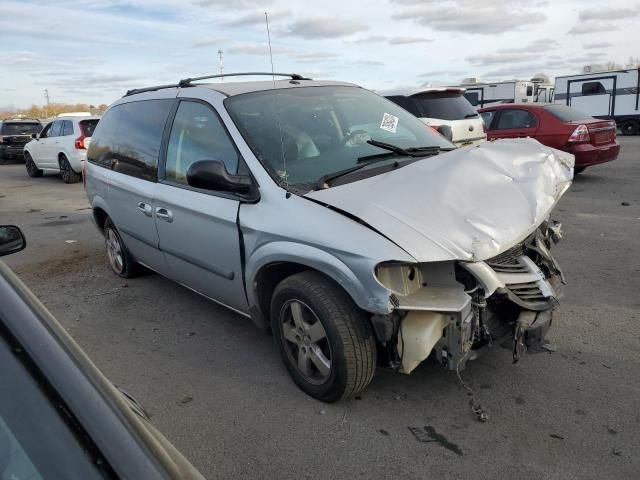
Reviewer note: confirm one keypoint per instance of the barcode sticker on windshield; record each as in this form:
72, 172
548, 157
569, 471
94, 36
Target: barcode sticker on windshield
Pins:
389, 123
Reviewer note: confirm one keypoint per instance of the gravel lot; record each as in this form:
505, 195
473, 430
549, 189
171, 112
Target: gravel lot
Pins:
216, 387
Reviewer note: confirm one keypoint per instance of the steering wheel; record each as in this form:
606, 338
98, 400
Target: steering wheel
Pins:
355, 138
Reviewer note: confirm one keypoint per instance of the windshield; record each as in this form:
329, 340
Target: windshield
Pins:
303, 134
444, 105
21, 128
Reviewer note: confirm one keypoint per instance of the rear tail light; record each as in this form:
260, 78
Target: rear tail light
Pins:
580, 134
614, 127
79, 143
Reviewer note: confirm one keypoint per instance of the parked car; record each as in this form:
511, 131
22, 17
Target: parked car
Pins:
15, 134
59, 415
61, 147
445, 107
590, 140
332, 217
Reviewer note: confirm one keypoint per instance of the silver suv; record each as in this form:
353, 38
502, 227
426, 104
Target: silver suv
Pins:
332, 218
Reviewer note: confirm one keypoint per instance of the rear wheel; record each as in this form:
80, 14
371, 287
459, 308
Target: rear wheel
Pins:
67, 173
630, 127
325, 340
32, 169
120, 260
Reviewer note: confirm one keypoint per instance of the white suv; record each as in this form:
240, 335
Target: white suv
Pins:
61, 147
446, 110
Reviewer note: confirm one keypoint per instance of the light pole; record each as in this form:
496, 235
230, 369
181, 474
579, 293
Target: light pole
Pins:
220, 55
46, 108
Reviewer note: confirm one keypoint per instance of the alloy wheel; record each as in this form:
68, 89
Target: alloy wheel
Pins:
64, 169
306, 342
114, 251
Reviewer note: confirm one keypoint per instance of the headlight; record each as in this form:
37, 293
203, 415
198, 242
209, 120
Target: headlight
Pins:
401, 278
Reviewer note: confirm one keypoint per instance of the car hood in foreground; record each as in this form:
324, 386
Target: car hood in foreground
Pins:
468, 204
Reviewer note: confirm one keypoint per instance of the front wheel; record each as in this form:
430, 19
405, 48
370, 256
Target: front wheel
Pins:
32, 170
67, 173
325, 340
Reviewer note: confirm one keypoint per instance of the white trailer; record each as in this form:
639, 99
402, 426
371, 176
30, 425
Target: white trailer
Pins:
611, 95
510, 91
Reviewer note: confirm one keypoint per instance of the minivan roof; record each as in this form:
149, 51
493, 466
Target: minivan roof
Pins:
237, 88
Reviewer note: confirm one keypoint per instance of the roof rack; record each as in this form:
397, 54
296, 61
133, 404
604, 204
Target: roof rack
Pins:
187, 82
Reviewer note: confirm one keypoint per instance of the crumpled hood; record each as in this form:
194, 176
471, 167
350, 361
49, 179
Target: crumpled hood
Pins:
467, 204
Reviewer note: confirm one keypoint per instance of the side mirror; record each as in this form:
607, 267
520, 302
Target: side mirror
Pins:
11, 240
34, 136
213, 175
446, 132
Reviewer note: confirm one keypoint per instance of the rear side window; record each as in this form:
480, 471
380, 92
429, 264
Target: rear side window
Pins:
128, 138
566, 114
197, 134
100, 149
593, 88
529, 91
67, 127
20, 128
88, 126
516, 119
405, 102
444, 105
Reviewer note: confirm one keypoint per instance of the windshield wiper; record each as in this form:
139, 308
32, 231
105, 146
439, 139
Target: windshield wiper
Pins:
414, 152
325, 179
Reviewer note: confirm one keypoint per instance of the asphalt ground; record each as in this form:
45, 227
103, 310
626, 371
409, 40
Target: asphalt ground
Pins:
217, 389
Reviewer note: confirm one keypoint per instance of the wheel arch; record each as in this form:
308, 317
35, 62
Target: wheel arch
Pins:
271, 264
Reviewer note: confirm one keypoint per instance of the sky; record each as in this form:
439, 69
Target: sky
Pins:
92, 51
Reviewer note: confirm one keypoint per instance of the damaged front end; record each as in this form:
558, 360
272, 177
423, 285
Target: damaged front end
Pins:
453, 309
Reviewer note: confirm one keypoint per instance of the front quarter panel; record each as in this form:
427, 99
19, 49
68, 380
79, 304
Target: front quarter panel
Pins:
279, 229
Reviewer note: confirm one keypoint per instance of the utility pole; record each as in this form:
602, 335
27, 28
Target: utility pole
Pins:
46, 108
220, 55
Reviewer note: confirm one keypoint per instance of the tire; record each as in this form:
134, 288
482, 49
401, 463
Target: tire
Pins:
301, 301
578, 170
630, 127
67, 173
32, 170
119, 258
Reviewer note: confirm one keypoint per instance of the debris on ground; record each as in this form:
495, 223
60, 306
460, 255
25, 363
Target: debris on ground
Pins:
383, 432
322, 412
625, 204
428, 434
71, 241
186, 399
556, 436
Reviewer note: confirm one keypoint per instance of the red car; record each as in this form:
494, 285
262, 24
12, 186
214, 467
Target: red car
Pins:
591, 140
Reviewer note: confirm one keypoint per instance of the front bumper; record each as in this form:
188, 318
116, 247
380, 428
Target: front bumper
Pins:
11, 151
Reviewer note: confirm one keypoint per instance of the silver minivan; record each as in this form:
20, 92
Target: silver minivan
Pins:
332, 218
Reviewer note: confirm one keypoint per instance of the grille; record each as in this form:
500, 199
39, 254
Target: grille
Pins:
529, 291
507, 262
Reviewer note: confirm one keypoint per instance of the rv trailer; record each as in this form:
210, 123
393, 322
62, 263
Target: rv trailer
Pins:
485, 94
613, 95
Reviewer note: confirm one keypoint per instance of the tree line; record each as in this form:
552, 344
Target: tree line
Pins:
52, 110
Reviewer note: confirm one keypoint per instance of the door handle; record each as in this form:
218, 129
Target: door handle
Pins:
164, 214
145, 208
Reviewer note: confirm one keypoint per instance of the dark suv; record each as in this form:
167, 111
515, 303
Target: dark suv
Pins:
15, 134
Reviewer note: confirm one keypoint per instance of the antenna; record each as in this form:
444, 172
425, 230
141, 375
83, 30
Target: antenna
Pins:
284, 175
266, 19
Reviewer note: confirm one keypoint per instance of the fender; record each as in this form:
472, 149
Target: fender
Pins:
371, 297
